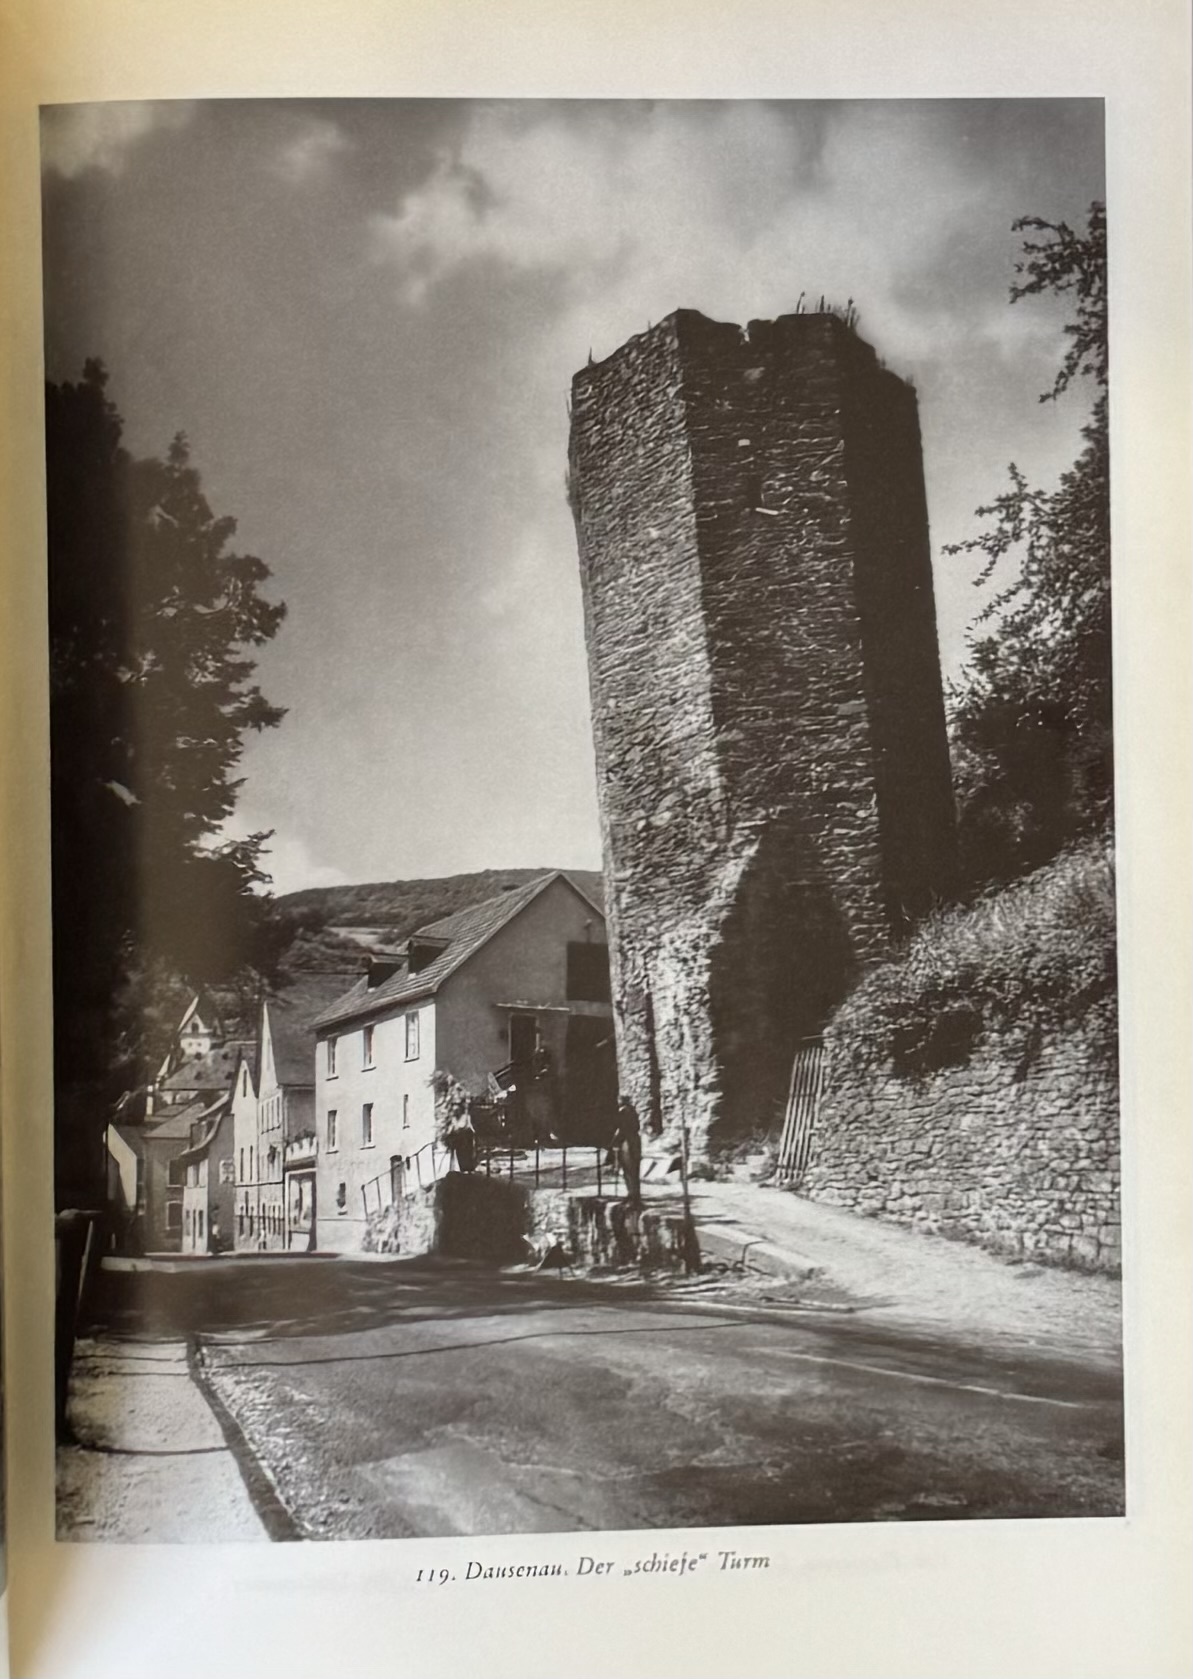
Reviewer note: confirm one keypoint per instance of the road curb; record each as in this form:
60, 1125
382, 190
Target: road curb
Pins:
737, 1248
272, 1513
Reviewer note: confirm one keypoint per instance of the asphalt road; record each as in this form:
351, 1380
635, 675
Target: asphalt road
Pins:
424, 1398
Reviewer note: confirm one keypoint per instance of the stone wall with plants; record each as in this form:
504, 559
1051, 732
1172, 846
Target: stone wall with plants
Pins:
972, 1085
470, 1216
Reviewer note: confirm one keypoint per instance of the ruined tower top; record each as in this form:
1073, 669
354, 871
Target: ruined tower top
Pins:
769, 726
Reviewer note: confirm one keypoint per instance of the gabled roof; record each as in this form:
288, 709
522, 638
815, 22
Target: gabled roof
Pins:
214, 1118
465, 932
175, 1125
292, 1013
201, 1005
250, 1055
131, 1109
213, 1071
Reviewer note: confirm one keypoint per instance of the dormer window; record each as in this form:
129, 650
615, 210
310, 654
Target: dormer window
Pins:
422, 950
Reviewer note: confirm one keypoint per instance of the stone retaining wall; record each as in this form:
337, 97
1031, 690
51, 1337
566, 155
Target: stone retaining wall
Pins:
1016, 1148
491, 1219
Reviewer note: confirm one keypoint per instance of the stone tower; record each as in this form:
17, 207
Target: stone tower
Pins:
773, 772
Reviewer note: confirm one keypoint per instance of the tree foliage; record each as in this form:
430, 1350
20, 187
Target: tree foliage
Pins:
1032, 726
153, 619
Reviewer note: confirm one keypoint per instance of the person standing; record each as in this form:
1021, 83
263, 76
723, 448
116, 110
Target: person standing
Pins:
627, 1141
461, 1141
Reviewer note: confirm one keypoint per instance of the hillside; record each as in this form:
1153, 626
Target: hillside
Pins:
337, 926
405, 905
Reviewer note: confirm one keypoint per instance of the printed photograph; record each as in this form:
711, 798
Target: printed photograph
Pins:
582, 816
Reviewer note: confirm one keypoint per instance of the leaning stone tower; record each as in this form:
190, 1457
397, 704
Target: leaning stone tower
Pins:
773, 773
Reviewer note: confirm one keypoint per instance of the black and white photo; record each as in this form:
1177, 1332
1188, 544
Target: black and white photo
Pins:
584, 911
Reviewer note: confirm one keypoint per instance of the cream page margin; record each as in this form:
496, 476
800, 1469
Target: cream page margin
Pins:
1042, 1598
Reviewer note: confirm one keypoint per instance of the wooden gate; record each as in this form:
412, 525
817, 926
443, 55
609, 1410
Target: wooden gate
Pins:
799, 1121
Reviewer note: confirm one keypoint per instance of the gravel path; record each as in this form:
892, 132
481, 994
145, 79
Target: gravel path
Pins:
151, 1463
909, 1277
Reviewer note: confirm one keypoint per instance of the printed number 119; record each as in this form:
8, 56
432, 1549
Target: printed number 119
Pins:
432, 1576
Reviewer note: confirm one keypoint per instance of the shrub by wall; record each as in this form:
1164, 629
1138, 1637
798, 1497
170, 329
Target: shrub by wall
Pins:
972, 1084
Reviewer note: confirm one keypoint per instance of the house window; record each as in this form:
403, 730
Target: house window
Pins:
241, 1166
366, 1125
367, 1044
176, 1176
588, 973
405, 1113
198, 1224
332, 1138
173, 1215
244, 1081
192, 1174
250, 1160
412, 1036
331, 1058
342, 1198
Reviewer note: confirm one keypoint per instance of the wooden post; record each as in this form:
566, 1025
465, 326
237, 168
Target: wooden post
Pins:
688, 1229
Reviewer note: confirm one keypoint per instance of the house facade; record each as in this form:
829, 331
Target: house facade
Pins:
244, 1139
154, 1126
208, 1188
274, 1119
511, 994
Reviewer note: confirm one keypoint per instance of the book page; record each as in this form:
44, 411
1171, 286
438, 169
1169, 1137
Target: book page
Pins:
3, 1468
595, 1231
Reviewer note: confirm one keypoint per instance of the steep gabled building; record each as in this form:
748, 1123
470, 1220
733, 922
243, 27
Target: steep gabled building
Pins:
513, 991
274, 1113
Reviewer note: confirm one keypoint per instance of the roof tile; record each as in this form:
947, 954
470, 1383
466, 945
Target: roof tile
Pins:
467, 930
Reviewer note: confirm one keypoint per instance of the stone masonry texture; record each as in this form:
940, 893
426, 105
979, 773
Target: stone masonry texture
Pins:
1015, 1148
495, 1221
773, 773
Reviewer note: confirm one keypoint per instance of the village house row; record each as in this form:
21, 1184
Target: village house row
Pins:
294, 1137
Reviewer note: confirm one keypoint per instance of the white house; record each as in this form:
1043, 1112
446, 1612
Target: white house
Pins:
274, 1116
514, 990
207, 1181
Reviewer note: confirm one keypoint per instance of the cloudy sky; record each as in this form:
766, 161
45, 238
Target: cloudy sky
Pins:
366, 315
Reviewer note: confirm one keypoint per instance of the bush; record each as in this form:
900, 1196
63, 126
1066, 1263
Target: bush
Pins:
1035, 956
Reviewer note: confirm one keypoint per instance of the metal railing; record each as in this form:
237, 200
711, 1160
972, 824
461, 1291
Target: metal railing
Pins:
563, 1166
415, 1170
803, 1105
